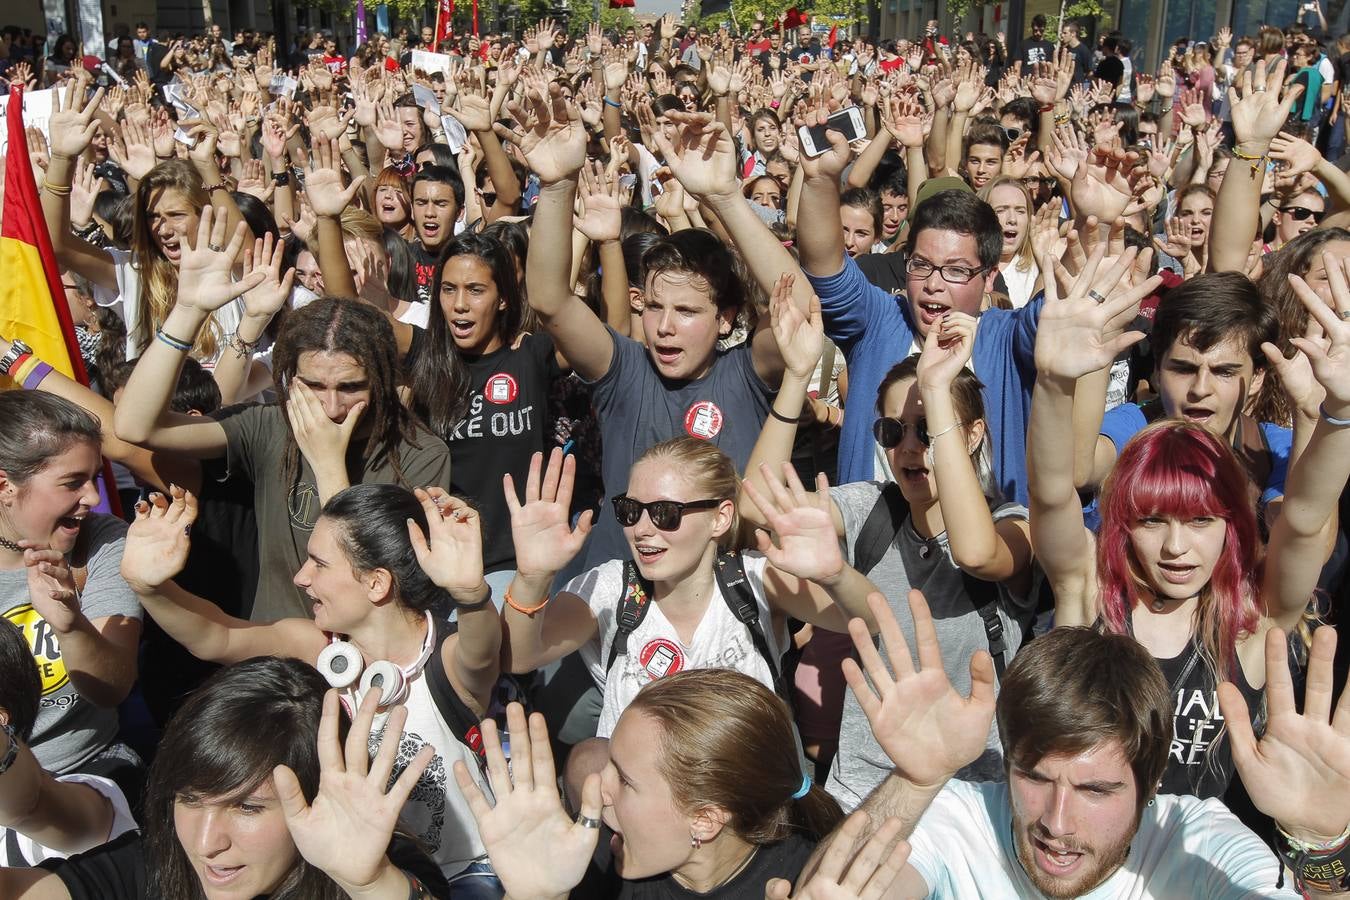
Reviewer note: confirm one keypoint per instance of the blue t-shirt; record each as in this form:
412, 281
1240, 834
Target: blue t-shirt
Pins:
872, 329
1127, 420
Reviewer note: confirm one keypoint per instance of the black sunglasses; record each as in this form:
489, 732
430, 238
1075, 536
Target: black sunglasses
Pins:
1299, 213
666, 515
889, 432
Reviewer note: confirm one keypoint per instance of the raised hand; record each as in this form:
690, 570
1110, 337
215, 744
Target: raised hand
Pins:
1298, 773
946, 350
804, 542
842, 875
830, 164
1298, 155
599, 193
1067, 152
451, 553
254, 182
473, 109
135, 152
204, 267
907, 120
1329, 354
1258, 111
541, 527
800, 334
72, 124
926, 728
323, 183
705, 159
157, 543
536, 850
1085, 329
554, 140
51, 586
266, 298
1103, 186
346, 831
84, 190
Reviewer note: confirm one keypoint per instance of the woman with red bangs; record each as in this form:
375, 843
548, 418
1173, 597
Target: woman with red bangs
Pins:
1178, 561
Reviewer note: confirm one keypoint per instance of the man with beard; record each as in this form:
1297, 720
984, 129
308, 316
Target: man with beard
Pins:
1086, 723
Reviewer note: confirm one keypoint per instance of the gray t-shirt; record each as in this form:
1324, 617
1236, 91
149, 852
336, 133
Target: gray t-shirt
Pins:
287, 510
637, 408
912, 562
70, 729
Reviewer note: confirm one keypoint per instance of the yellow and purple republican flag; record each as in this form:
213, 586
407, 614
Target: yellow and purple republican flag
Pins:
33, 305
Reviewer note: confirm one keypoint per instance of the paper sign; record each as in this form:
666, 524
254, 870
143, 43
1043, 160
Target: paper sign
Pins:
426, 97
283, 85
425, 61
37, 112
455, 136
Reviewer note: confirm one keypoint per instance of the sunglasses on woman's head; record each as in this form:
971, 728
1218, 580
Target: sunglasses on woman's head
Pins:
666, 515
890, 431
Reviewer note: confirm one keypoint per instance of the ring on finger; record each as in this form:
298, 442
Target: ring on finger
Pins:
1096, 295
587, 822
215, 248
1345, 314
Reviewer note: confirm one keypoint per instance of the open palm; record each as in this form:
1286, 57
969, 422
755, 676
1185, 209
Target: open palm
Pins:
1078, 333
804, 543
157, 542
704, 156
554, 140
541, 527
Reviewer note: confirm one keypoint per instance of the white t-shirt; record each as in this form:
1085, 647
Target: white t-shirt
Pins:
655, 649
20, 851
1185, 847
1021, 282
127, 302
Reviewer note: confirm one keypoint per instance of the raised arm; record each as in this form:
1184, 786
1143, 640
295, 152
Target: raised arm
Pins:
554, 145
71, 128
474, 112
328, 198
156, 550
822, 245
540, 629
602, 223
1301, 538
989, 550
1078, 334
1259, 112
204, 286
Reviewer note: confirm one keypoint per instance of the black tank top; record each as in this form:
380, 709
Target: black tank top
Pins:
1200, 761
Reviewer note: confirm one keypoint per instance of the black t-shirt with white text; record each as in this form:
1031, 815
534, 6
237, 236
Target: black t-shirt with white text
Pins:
426, 269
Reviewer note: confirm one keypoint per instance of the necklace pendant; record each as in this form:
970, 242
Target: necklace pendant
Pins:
1158, 604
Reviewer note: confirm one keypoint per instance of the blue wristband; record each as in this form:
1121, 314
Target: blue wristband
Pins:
1332, 420
614, 103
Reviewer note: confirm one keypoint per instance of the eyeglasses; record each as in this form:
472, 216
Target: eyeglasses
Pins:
922, 268
1299, 213
1012, 133
666, 515
890, 431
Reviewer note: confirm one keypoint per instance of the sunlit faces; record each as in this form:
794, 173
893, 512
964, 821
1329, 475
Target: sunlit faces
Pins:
983, 164
1073, 818
651, 834
1175, 556
931, 297
1010, 205
391, 206
239, 847
894, 211
172, 219
1210, 387
338, 381
410, 122
307, 272
668, 556
1196, 214
681, 324
766, 192
471, 304
767, 134
51, 506
909, 460
1316, 275
434, 213
1309, 205
860, 229
339, 595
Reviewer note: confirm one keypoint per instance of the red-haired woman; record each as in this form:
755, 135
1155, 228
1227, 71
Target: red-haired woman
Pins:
1178, 561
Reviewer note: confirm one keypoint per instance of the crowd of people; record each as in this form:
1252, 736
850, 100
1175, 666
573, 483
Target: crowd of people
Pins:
679, 462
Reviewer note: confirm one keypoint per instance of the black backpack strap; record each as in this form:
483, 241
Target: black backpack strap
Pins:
456, 713
740, 598
879, 530
637, 594
984, 594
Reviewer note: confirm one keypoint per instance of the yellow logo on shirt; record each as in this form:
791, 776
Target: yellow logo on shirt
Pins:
42, 641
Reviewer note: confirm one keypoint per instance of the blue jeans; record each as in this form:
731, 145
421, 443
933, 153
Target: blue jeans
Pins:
477, 882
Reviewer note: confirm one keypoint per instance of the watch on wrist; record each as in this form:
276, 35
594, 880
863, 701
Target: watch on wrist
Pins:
282, 178
17, 348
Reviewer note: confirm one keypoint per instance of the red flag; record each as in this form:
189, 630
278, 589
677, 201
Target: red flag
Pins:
794, 18
475, 18
834, 36
445, 23
33, 305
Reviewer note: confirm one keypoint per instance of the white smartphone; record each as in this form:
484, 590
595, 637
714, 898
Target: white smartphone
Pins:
847, 122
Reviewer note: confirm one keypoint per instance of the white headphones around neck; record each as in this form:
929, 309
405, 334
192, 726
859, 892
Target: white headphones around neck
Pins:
341, 664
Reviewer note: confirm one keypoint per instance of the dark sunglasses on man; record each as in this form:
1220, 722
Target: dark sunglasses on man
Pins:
1299, 213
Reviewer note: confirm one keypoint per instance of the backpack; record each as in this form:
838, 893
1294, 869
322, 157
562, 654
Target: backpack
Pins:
740, 599
879, 531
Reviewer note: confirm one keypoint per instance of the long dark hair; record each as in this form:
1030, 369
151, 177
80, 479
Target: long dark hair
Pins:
224, 742
439, 375
336, 325
372, 531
